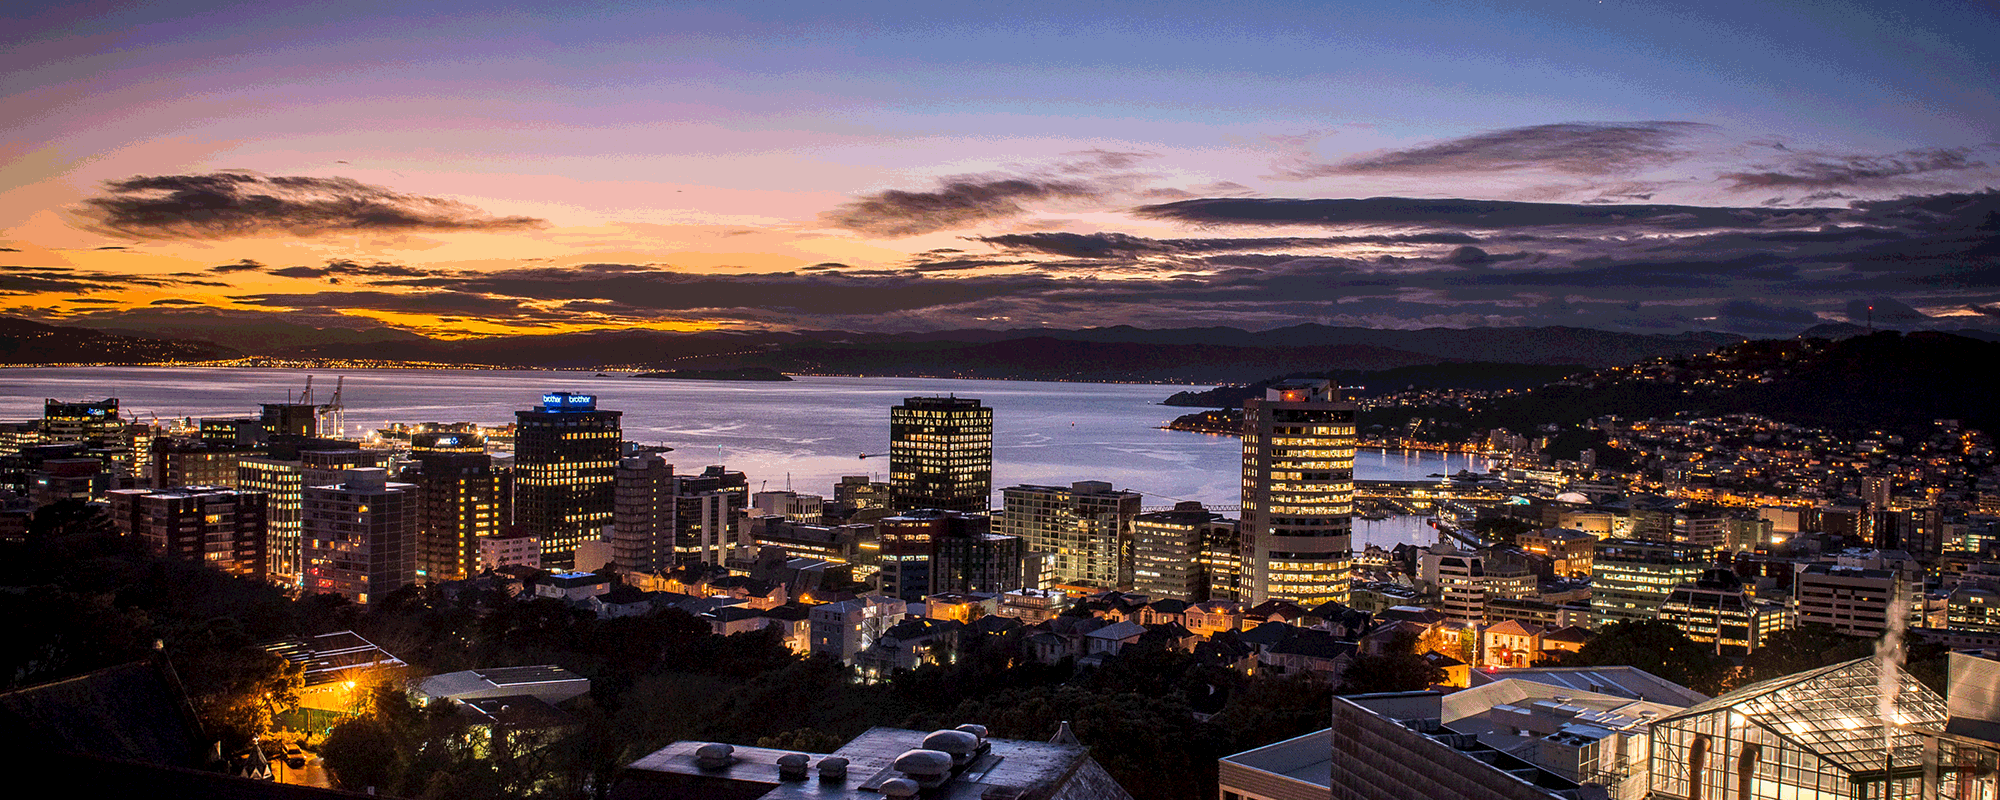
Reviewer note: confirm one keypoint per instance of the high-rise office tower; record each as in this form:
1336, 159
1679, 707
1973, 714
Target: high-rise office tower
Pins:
1298, 494
565, 468
92, 421
222, 528
458, 502
941, 455
1086, 528
642, 517
282, 476
296, 420
359, 536
1170, 553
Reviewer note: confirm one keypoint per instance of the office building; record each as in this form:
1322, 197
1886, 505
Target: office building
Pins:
788, 504
360, 536
1631, 578
1171, 552
459, 502
288, 421
510, 549
196, 462
642, 514
1568, 550
930, 551
1718, 609
220, 527
566, 454
1298, 494
1857, 601
83, 422
1086, 528
941, 455
708, 514
282, 476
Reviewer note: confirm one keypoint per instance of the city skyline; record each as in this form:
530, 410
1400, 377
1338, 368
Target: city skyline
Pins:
1749, 168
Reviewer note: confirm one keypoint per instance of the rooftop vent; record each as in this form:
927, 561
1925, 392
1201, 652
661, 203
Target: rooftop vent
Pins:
792, 767
961, 745
833, 768
928, 768
714, 756
899, 787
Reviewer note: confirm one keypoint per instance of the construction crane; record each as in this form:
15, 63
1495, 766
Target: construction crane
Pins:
334, 415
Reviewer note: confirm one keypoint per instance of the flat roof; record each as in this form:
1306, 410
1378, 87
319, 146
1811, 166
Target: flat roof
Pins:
1307, 759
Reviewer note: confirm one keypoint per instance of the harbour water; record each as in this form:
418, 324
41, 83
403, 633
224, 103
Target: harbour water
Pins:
803, 434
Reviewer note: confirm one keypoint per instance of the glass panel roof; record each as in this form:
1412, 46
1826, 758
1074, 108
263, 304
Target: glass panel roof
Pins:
1834, 713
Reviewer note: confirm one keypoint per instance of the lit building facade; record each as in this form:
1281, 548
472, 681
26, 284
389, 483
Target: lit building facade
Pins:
1168, 549
708, 514
1086, 528
1717, 609
941, 455
1631, 578
458, 503
1298, 494
360, 536
282, 476
566, 454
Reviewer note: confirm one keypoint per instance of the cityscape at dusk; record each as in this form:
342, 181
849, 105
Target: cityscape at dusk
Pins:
1583, 400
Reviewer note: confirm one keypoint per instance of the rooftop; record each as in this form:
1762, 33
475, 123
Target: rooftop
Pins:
1631, 682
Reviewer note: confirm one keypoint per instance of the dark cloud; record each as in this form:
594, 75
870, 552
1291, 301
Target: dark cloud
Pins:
343, 267
222, 205
64, 280
241, 265
91, 300
1819, 171
1756, 318
1120, 245
430, 302
1577, 148
956, 203
173, 301
1991, 311
1475, 214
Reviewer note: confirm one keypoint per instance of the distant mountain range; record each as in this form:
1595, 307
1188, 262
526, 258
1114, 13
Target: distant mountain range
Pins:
1211, 355
1192, 355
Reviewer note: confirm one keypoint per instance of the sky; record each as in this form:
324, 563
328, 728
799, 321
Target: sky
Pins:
460, 169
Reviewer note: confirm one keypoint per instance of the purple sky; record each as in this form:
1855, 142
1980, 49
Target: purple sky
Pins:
1742, 166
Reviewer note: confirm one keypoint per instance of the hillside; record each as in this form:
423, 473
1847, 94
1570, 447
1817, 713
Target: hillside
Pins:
1887, 381
26, 342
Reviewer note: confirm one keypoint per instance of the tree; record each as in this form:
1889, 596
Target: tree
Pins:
1398, 668
1802, 648
1658, 647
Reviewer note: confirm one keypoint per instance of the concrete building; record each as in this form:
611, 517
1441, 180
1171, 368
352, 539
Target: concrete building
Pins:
941, 455
846, 628
1171, 553
222, 528
1085, 527
566, 455
1630, 578
282, 475
1298, 494
708, 514
519, 548
643, 514
788, 504
1857, 601
359, 536
1299, 768
194, 462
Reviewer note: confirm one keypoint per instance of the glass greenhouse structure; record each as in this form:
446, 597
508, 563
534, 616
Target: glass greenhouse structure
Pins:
1816, 734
